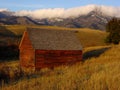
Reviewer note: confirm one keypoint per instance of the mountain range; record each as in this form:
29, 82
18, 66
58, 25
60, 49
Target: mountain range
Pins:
94, 20
7, 18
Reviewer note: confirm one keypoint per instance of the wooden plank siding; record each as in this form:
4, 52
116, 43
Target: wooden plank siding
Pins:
52, 58
27, 55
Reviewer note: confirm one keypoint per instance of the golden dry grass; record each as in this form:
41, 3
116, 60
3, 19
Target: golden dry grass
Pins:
89, 37
96, 73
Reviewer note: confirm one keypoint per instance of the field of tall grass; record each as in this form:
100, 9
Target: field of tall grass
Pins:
99, 69
97, 72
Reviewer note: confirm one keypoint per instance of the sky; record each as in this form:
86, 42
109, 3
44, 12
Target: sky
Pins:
39, 9
16, 5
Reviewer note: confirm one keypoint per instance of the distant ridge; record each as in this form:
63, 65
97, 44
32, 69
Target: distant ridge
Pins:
92, 20
7, 18
90, 16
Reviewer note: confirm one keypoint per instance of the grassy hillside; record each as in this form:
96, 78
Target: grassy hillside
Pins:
88, 37
100, 72
95, 72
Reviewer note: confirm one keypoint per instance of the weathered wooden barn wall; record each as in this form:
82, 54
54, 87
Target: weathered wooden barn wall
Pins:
52, 58
26, 52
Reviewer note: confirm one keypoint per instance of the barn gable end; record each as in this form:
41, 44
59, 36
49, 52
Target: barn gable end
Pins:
49, 48
27, 54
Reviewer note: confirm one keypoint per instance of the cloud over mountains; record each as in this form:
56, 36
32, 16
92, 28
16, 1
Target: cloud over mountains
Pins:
70, 12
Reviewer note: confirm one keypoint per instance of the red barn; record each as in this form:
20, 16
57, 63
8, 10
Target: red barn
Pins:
49, 48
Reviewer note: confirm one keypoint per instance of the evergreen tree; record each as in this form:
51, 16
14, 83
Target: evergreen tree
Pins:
113, 27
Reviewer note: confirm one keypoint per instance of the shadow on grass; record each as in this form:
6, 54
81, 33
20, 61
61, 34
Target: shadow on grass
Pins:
8, 53
94, 53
